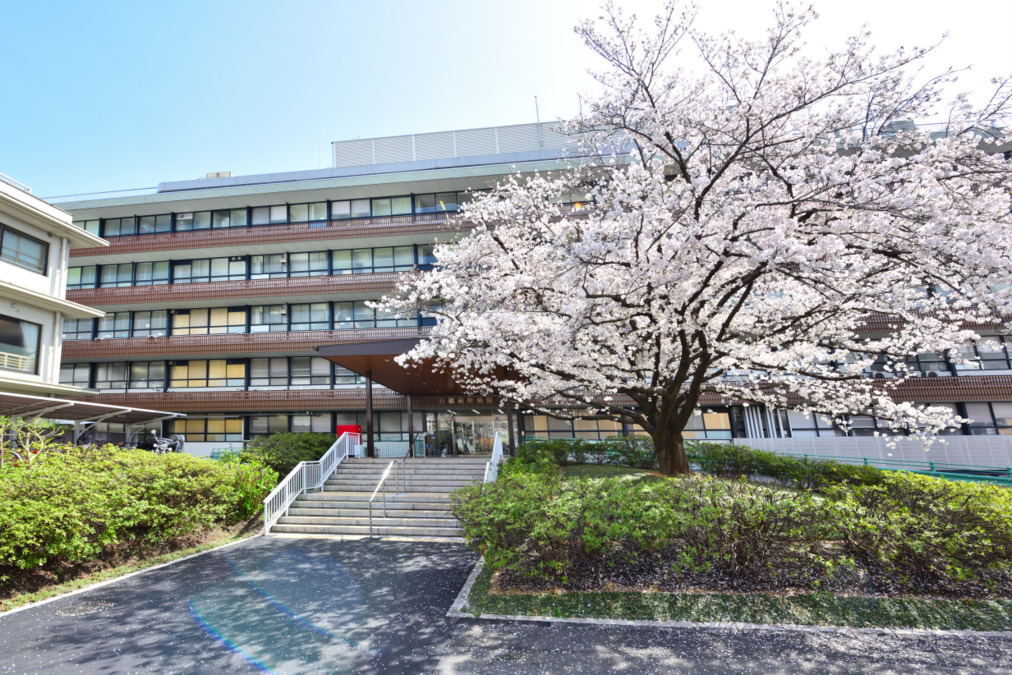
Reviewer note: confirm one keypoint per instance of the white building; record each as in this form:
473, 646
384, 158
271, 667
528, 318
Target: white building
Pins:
35, 242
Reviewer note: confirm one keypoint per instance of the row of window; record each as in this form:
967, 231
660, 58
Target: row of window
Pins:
240, 268
988, 353
348, 315
19, 344
313, 212
259, 373
724, 423
23, 250
716, 423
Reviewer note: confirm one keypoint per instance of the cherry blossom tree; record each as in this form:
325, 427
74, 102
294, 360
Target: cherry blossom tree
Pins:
752, 208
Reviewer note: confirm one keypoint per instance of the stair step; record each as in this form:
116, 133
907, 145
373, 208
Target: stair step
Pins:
412, 514
377, 520
363, 496
364, 530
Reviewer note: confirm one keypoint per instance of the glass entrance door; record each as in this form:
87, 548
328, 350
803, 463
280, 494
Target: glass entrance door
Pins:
462, 435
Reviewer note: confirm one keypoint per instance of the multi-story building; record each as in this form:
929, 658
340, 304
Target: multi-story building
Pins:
218, 294
35, 243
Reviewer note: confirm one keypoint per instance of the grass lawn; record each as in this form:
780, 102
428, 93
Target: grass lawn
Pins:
806, 609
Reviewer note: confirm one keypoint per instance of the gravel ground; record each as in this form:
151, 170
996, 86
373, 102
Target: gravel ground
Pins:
316, 605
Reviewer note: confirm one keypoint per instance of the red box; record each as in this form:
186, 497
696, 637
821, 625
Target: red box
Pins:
349, 429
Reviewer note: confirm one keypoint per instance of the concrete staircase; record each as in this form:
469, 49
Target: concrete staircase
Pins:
417, 503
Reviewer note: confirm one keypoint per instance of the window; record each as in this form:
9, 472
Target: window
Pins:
147, 375
154, 224
198, 220
302, 213
77, 329
311, 264
318, 422
214, 269
117, 275
152, 273
812, 426
310, 370
385, 259
213, 321
185, 272
710, 424
995, 353
213, 373
269, 215
354, 208
75, 374
151, 324
111, 375
426, 258
391, 206
92, 226
228, 269
269, 266
229, 218
81, 277
315, 316
271, 372
114, 325
981, 420
269, 318
442, 202
24, 251
344, 377
260, 425
117, 227
352, 315
208, 429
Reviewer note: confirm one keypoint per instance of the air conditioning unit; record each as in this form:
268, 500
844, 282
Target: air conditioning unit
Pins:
878, 376
934, 373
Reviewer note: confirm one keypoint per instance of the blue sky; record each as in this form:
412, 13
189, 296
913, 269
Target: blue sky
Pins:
107, 96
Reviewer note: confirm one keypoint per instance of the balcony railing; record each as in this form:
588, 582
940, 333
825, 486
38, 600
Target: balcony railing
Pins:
17, 362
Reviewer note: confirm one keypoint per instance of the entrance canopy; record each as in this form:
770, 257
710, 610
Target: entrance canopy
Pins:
376, 360
23, 405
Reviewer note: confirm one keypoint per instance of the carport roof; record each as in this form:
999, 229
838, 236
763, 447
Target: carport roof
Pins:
23, 405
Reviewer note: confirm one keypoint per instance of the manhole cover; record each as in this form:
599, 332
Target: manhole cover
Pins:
82, 608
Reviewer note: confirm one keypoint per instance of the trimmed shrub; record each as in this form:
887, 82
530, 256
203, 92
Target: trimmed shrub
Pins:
736, 461
906, 532
78, 502
632, 451
283, 451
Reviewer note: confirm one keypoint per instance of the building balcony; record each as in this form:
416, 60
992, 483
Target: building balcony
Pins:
229, 344
269, 238
248, 291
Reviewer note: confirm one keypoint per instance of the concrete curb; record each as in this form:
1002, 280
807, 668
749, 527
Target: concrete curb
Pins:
461, 601
109, 582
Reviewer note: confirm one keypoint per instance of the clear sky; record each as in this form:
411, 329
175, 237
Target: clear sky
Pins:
114, 95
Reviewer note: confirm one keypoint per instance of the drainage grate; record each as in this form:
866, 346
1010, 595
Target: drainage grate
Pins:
83, 608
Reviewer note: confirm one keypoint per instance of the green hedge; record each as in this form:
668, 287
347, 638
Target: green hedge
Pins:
75, 503
734, 461
913, 531
536, 454
283, 451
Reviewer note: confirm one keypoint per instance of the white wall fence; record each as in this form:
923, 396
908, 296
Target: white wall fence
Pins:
973, 450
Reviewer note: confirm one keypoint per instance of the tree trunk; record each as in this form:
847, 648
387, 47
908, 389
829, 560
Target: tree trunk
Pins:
670, 451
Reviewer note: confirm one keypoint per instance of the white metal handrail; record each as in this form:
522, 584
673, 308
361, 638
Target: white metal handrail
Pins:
306, 476
492, 467
378, 486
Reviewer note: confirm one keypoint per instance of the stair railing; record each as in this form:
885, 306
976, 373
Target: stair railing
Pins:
378, 486
306, 476
492, 467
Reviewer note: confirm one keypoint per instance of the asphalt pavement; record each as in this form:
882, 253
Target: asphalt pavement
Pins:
374, 606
